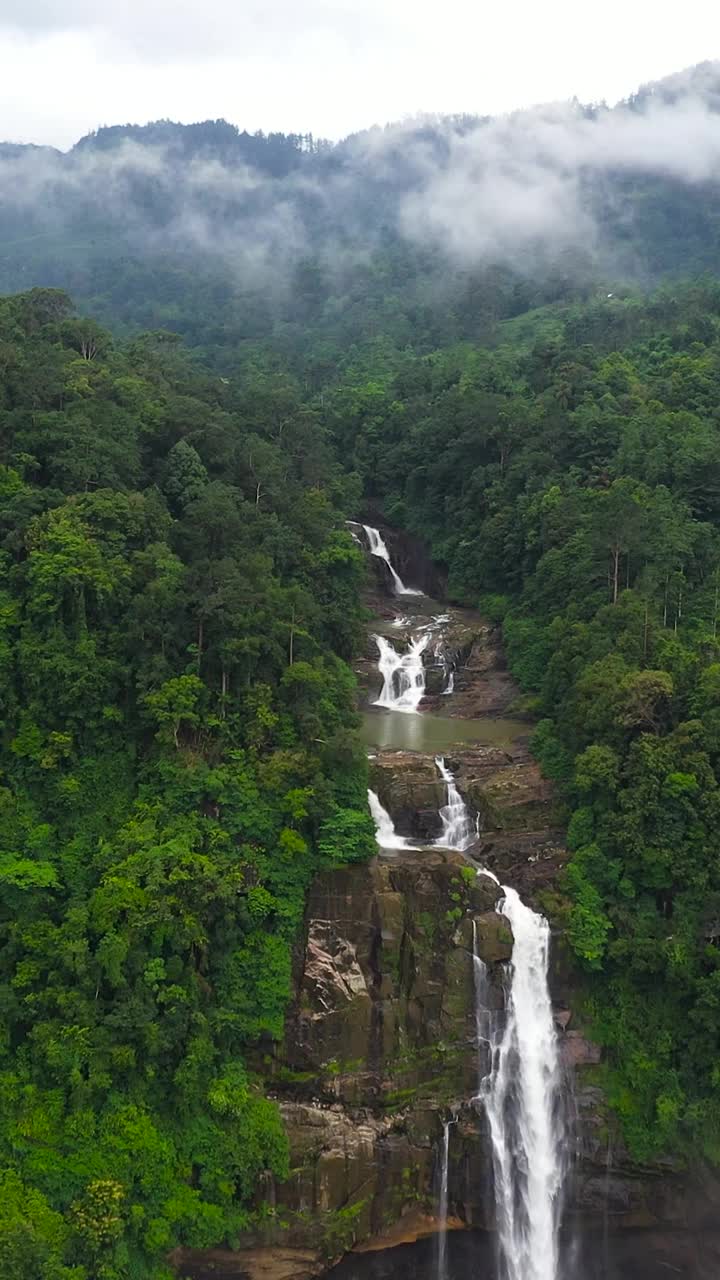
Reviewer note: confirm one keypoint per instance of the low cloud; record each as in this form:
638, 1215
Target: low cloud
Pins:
528, 177
480, 191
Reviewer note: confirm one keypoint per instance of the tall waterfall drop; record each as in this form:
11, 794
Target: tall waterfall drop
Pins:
403, 674
520, 1096
377, 547
458, 829
385, 832
443, 1201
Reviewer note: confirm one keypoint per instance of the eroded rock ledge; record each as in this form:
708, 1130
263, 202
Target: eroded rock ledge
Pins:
380, 1041
379, 1049
519, 838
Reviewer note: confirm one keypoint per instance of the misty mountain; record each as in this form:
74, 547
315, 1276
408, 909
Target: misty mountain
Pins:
481, 217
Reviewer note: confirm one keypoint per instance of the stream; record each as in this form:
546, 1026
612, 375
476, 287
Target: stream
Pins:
519, 1077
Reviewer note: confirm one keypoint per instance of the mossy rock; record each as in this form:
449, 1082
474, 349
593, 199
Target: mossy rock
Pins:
494, 938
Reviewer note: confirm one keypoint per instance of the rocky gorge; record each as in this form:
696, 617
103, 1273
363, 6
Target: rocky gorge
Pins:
381, 1048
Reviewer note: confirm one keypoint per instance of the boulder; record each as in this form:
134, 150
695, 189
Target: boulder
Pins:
411, 790
578, 1051
513, 797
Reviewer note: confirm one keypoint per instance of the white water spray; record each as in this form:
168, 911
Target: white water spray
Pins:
403, 675
458, 829
443, 1202
520, 1096
377, 547
385, 832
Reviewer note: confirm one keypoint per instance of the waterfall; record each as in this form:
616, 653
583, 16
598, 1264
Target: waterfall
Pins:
443, 1202
403, 675
458, 829
385, 832
483, 1016
440, 656
377, 547
520, 1097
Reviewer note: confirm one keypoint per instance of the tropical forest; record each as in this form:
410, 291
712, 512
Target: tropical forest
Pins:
360, 700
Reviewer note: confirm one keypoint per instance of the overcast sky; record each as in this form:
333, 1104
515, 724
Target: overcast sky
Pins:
327, 66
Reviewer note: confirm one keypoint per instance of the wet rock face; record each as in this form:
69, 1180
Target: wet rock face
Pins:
511, 796
380, 1042
504, 787
262, 1263
412, 791
517, 815
578, 1051
464, 644
385, 984
411, 560
380, 1047
632, 1255
484, 684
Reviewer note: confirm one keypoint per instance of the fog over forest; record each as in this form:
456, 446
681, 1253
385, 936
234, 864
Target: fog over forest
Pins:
318, 459
517, 190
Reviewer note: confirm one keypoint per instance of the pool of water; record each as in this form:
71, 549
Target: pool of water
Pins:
424, 615
398, 731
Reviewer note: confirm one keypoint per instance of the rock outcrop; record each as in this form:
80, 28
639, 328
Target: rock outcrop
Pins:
519, 838
380, 1044
465, 645
379, 1048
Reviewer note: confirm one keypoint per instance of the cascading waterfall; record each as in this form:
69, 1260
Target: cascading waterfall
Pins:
403, 674
377, 547
443, 1201
458, 829
520, 1096
517, 1052
385, 832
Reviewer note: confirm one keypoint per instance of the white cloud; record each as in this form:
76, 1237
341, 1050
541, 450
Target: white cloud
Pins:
327, 66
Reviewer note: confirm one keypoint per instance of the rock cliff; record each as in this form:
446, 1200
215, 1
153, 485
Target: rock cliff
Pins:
380, 1048
380, 1044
